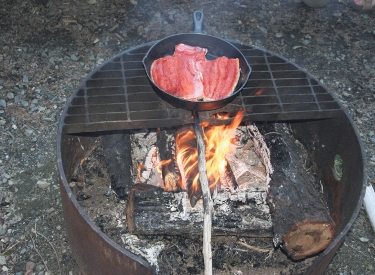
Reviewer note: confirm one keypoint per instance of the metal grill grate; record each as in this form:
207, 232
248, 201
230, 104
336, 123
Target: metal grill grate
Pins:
117, 95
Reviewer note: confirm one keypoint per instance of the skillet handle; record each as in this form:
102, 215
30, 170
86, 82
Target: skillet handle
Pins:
198, 21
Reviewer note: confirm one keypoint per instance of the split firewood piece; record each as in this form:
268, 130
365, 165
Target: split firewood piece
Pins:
166, 144
301, 220
146, 158
117, 153
150, 210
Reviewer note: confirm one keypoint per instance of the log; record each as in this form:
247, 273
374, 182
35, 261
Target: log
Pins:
117, 153
166, 144
153, 211
301, 220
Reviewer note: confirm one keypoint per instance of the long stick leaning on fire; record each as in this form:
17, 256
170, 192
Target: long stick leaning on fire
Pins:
206, 195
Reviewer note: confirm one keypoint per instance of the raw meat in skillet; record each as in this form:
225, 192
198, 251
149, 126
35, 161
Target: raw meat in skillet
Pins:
220, 77
187, 74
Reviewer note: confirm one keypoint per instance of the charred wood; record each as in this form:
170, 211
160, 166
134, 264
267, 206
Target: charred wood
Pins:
117, 152
150, 211
166, 144
301, 220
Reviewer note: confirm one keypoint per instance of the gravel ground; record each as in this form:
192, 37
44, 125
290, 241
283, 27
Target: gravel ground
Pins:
47, 47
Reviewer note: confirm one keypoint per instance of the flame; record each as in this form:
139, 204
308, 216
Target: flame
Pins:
218, 141
161, 164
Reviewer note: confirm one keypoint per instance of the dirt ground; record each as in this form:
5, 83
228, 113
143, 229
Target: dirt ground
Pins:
47, 47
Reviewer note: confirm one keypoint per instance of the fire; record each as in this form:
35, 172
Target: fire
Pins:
218, 141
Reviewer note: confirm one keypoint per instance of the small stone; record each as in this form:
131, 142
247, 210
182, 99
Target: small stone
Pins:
305, 42
134, 2
3, 103
24, 103
91, 2
73, 57
3, 260
364, 240
29, 132
25, 79
279, 35
30, 266
23, 251
39, 268
2, 122
10, 95
43, 184
263, 30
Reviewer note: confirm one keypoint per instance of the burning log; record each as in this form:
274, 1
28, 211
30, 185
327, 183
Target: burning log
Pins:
239, 211
166, 144
150, 211
117, 153
301, 220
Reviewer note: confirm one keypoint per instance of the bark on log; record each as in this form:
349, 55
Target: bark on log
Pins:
153, 211
117, 153
301, 220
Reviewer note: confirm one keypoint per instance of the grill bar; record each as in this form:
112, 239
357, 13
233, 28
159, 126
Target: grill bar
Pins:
117, 95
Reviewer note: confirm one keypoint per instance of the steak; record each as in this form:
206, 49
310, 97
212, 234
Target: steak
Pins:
188, 75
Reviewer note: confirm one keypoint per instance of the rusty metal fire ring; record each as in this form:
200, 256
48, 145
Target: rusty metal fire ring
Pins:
117, 96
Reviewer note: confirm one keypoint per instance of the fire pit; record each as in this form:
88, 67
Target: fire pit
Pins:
117, 96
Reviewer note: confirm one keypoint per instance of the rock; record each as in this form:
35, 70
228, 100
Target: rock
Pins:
25, 79
10, 95
2, 260
364, 240
73, 57
3, 103
39, 268
30, 266
43, 184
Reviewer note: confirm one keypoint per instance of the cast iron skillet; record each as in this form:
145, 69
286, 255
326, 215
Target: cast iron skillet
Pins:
216, 47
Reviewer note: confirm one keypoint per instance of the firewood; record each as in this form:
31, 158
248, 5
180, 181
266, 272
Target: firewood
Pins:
166, 144
150, 210
301, 220
117, 153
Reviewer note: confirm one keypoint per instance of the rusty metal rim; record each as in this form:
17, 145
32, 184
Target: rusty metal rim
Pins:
65, 186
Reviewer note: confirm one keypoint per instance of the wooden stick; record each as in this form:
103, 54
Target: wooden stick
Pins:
262, 250
207, 202
369, 202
